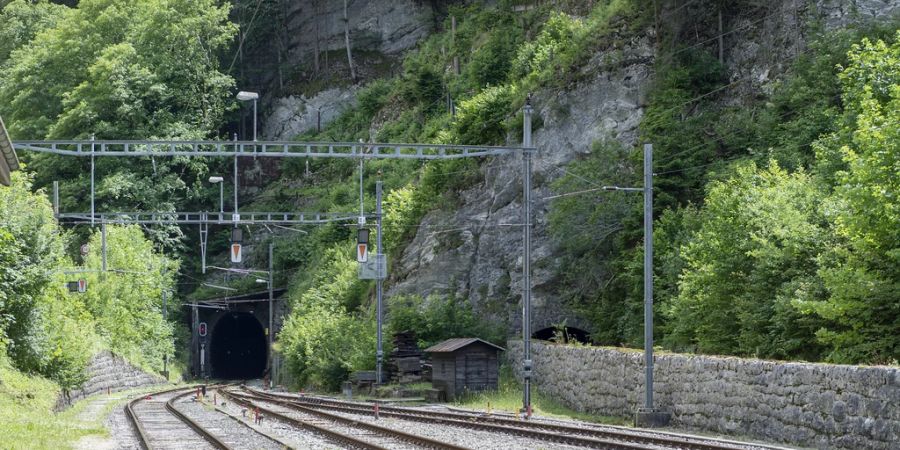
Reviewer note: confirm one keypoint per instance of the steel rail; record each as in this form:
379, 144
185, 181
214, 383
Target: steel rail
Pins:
545, 431
278, 149
329, 434
206, 434
423, 441
143, 438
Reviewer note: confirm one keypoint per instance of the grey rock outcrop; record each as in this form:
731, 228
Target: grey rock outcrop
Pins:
291, 116
812, 405
475, 250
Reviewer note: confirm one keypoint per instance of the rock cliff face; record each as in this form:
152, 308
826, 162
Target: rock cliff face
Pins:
475, 250
376, 26
484, 263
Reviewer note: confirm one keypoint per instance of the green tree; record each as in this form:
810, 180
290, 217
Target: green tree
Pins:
118, 69
126, 301
862, 276
754, 253
20, 20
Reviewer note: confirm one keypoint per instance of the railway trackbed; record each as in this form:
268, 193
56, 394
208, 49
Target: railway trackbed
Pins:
590, 436
349, 432
165, 420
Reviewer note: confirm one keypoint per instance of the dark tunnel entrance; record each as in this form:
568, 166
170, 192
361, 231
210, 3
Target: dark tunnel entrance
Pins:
562, 335
238, 347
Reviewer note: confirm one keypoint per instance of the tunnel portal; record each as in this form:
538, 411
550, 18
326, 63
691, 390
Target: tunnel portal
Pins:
238, 347
564, 334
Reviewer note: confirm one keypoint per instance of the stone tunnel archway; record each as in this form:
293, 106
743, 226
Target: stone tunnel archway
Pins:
566, 333
237, 347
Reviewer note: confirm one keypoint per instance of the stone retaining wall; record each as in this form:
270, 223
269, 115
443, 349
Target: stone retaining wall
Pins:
813, 405
108, 371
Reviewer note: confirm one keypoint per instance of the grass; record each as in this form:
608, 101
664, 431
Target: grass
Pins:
27, 420
26, 413
508, 398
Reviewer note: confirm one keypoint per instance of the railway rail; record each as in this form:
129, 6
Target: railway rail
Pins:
160, 424
586, 436
373, 436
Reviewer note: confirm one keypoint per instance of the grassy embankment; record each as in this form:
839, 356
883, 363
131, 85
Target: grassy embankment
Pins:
27, 420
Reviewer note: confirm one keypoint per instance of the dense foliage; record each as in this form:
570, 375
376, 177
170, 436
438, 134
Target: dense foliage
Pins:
115, 69
47, 330
793, 256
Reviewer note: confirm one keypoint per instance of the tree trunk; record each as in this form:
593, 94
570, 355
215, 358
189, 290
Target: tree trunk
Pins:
316, 45
721, 38
347, 41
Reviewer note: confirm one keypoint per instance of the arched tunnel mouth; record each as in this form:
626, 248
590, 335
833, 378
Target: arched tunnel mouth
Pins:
238, 348
562, 335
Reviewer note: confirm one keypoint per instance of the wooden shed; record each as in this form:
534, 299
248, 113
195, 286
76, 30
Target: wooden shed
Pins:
463, 365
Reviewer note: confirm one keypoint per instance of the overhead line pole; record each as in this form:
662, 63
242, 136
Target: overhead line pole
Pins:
526, 259
648, 276
379, 287
271, 315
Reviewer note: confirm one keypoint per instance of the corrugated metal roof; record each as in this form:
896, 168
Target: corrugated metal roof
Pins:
452, 345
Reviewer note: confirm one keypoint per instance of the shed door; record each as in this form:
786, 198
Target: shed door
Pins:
476, 371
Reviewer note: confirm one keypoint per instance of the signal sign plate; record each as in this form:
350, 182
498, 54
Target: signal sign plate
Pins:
85, 249
236, 253
362, 252
82, 285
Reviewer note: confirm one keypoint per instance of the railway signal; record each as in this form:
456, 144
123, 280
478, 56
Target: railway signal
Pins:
362, 245
201, 330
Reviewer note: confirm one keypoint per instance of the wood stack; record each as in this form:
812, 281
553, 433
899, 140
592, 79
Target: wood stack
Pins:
405, 361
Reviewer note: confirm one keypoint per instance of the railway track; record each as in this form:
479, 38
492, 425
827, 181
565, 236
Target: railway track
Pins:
587, 436
334, 427
160, 424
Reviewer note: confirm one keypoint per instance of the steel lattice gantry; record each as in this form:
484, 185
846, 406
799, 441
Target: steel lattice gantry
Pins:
88, 148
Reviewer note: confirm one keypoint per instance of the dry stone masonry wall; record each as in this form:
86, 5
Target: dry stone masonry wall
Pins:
108, 371
803, 404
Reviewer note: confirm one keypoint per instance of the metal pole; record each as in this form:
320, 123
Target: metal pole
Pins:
648, 274
379, 284
254, 120
234, 217
361, 208
221, 201
271, 312
166, 319
103, 245
195, 340
92, 180
56, 198
526, 259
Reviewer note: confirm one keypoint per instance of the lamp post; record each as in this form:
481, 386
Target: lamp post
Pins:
246, 97
647, 416
219, 181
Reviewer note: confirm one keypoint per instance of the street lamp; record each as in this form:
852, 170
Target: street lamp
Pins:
246, 97
647, 416
219, 181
